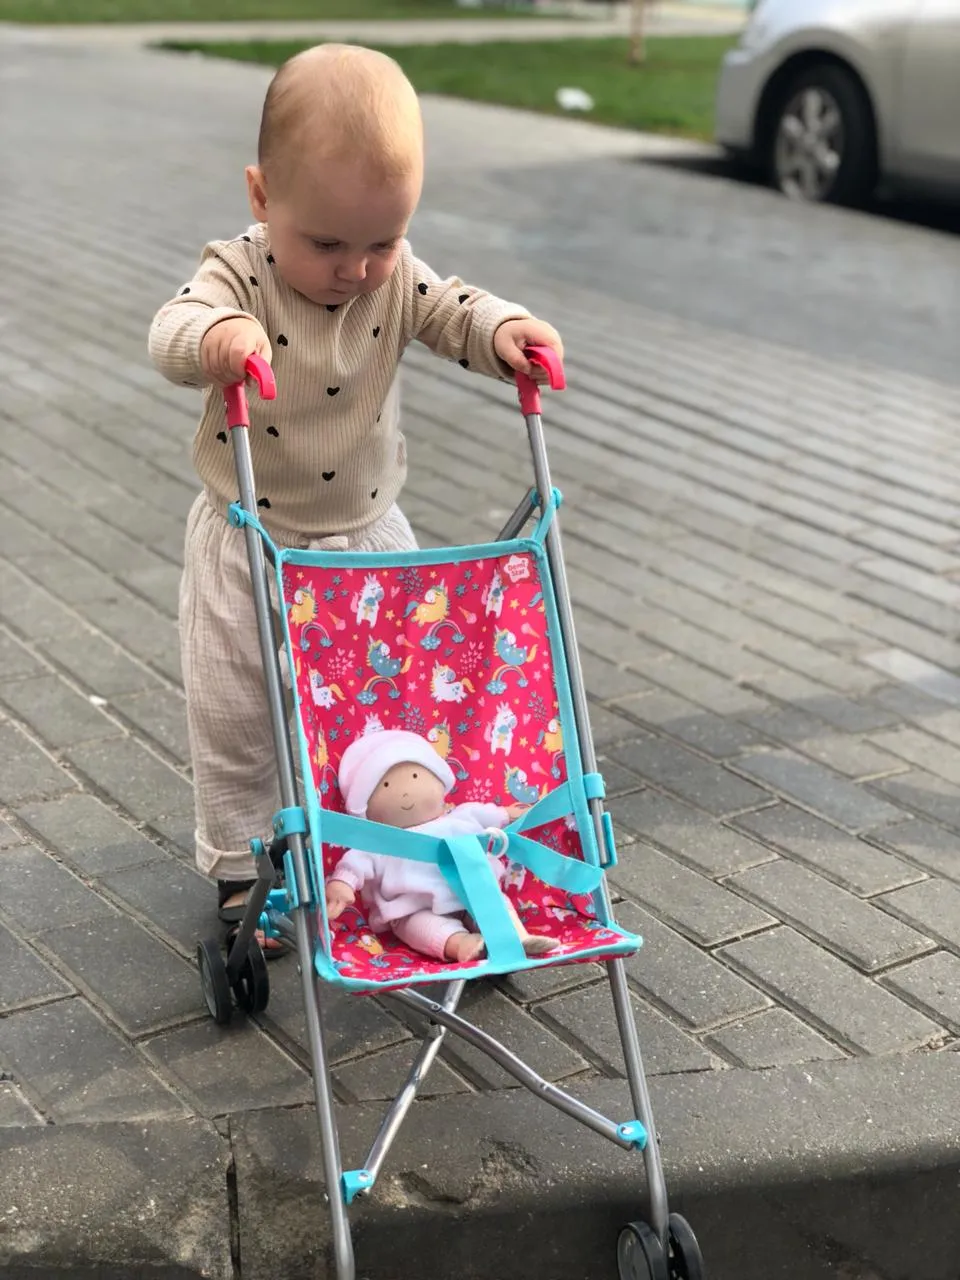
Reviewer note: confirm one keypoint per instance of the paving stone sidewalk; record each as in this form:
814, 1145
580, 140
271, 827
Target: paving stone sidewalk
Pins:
765, 570
664, 20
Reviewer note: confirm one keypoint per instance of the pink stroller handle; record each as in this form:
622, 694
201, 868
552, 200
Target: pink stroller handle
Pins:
529, 390
235, 396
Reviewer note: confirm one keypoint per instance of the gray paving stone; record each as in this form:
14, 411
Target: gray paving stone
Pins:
848, 1007
177, 900
79, 1070
26, 979
586, 1016
97, 664
161, 714
88, 835
605, 680
16, 660
921, 793
849, 861
851, 928
524, 1035
180, 830
530, 985
921, 749
933, 985
125, 970
926, 845
693, 904
707, 785
224, 1070
681, 978
40, 894
916, 672
352, 1025
15, 1110
849, 755
607, 727
688, 834
843, 802
617, 779
28, 772
381, 1076
140, 781
771, 1038
58, 715
716, 736
932, 906
9, 838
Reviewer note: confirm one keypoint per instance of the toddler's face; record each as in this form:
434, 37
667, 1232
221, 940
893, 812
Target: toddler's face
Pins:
335, 233
406, 796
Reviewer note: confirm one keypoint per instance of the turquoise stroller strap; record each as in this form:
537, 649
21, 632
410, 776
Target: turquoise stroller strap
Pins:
463, 862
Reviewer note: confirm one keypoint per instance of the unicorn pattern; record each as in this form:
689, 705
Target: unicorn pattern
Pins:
492, 595
366, 602
500, 733
445, 687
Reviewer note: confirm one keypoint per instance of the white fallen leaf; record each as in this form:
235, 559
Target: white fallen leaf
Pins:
97, 701
573, 99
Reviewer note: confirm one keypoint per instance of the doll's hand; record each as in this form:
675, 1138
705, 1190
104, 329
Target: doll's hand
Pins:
339, 896
513, 335
515, 811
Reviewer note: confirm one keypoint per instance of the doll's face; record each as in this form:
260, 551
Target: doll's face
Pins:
406, 796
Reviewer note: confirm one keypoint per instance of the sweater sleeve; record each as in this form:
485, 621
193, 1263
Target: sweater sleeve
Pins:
485, 815
455, 320
355, 868
223, 288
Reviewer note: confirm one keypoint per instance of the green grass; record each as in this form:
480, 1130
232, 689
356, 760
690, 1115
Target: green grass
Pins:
48, 11
672, 92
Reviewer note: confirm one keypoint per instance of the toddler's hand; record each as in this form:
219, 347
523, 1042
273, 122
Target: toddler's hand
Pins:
515, 811
225, 348
513, 335
339, 896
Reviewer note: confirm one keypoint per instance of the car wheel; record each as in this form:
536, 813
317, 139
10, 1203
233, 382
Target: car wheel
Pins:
823, 143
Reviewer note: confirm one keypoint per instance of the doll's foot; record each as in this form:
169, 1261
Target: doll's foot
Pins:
535, 944
464, 947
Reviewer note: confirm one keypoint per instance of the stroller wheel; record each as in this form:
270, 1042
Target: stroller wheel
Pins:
213, 980
685, 1261
640, 1254
252, 985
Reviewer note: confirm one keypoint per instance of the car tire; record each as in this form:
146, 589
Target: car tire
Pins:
822, 143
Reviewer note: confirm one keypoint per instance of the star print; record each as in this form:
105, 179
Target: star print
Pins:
524, 612
433, 573
436, 713
390, 615
300, 576
523, 742
514, 604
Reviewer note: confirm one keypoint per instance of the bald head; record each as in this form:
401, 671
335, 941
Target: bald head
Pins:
344, 103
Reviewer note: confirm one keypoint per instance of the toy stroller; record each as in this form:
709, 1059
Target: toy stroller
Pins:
473, 647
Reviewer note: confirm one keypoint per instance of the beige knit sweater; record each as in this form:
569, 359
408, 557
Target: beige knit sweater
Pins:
328, 453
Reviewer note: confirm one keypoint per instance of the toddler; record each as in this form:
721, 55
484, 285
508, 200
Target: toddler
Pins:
324, 286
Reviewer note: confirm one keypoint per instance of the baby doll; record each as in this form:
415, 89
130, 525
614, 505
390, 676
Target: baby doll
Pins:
395, 777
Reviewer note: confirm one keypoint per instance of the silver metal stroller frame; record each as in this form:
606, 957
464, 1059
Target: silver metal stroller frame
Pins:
661, 1248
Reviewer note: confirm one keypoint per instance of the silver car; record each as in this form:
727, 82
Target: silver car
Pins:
832, 96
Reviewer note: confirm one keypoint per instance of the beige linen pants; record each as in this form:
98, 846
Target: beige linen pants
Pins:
228, 719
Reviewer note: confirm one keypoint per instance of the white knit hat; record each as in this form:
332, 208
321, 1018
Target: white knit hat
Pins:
369, 757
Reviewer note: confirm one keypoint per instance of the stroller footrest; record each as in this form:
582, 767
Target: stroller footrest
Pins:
353, 1182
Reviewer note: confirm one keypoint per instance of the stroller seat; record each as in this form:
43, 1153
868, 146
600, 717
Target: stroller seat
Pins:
454, 644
